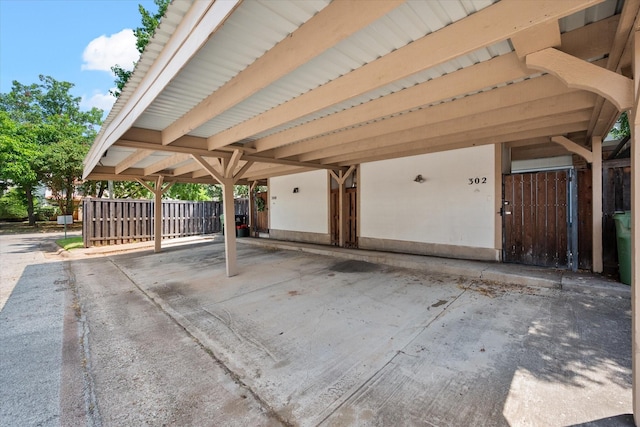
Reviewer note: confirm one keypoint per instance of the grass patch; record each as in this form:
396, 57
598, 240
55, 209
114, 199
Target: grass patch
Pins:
70, 243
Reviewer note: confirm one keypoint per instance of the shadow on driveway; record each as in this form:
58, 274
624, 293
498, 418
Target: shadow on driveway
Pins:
323, 341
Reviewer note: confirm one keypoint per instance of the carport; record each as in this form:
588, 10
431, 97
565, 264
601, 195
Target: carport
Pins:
235, 92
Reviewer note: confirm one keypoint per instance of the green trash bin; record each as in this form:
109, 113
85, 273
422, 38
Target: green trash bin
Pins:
623, 236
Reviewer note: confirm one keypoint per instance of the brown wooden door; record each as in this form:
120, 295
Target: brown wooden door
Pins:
351, 218
536, 218
351, 229
262, 216
335, 217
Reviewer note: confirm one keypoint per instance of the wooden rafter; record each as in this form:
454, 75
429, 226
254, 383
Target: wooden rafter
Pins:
537, 38
476, 124
165, 163
332, 24
508, 18
499, 70
132, 160
519, 131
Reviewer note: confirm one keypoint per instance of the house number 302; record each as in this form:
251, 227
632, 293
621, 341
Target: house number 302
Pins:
477, 180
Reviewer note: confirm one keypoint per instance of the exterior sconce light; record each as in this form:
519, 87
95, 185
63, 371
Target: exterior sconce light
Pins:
296, 190
419, 179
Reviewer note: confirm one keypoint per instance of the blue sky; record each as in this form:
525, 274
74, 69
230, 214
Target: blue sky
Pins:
70, 40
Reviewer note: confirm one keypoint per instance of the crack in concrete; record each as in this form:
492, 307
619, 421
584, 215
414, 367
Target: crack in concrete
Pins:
388, 362
272, 413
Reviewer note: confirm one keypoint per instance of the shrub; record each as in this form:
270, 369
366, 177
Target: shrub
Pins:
12, 206
46, 212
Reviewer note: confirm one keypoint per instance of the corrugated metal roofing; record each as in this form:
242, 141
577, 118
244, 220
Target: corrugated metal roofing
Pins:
405, 24
260, 25
256, 26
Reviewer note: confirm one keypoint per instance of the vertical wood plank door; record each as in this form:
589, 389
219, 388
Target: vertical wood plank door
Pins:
335, 216
535, 218
351, 230
351, 217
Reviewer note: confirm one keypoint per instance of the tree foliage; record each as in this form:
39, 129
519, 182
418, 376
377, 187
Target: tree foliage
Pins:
44, 136
150, 22
622, 129
194, 192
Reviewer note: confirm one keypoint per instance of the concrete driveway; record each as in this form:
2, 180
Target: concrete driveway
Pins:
302, 339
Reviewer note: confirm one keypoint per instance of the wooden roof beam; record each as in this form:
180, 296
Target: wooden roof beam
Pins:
190, 167
549, 126
507, 18
334, 23
475, 120
505, 68
279, 171
131, 160
148, 139
537, 38
603, 118
165, 163
579, 74
574, 148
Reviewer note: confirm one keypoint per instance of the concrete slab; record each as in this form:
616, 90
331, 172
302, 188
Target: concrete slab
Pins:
144, 369
322, 340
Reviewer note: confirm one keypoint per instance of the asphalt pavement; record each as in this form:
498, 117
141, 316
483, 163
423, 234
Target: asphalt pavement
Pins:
34, 299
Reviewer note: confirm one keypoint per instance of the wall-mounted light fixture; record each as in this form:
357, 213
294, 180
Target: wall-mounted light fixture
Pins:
419, 179
296, 190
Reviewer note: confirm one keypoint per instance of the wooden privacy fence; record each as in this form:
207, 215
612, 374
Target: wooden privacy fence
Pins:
113, 222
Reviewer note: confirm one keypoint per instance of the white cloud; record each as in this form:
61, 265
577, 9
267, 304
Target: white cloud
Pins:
106, 51
103, 101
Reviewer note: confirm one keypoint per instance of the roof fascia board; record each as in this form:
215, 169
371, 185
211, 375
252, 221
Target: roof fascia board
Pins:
202, 19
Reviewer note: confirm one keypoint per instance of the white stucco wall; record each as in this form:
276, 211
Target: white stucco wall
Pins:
445, 209
305, 211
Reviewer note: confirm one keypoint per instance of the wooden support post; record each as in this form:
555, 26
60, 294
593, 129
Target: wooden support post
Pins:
341, 178
157, 191
157, 219
252, 210
596, 188
227, 180
342, 222
634, 122
229, 227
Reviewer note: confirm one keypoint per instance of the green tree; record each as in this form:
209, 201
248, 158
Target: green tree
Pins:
144, 33
130, 190
623, 128
150, 22
194, 192
20, 160
45, 138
